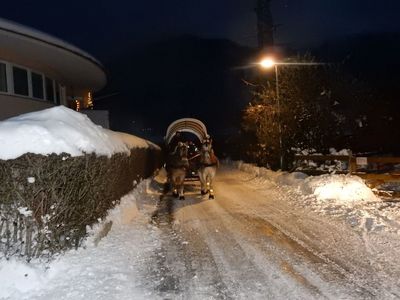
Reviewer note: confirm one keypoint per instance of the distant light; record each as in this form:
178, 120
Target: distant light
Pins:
89, 100
267, 63
78, 105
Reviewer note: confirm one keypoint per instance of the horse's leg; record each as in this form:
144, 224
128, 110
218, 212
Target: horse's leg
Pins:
175, 191
210, 181
174, 185
202, 181
204, 189
209, 187
168, 183
181, 187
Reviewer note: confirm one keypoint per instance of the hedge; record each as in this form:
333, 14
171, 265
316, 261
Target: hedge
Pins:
46, 202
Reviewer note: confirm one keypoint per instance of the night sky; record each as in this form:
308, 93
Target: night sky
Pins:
160, 70
104, 27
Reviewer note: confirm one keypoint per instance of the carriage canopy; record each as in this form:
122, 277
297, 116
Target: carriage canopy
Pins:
186, 125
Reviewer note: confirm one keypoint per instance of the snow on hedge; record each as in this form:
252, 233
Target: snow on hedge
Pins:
60, 129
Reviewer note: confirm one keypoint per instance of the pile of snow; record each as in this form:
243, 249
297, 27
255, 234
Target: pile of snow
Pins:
338, 188
60, 129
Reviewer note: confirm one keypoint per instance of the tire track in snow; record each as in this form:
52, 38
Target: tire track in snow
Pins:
182, 270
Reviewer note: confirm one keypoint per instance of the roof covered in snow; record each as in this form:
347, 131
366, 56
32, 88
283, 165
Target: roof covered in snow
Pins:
62, 130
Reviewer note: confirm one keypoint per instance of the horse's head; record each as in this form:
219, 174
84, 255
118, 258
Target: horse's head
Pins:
206, 145
206, 150
182, 150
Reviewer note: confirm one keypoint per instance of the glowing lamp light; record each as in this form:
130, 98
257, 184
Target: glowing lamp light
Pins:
267, 63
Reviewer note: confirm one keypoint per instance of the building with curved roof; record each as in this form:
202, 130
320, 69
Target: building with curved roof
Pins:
38, 71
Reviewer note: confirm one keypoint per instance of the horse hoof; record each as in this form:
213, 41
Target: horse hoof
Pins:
203, 192
211, 197
181, 197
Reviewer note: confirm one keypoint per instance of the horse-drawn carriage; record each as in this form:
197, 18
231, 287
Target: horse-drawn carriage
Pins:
189, 155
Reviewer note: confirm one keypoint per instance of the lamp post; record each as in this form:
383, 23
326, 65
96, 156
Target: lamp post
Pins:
268, 63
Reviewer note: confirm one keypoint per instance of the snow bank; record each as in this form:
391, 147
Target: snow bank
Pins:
338, 188
60, 129
277, 177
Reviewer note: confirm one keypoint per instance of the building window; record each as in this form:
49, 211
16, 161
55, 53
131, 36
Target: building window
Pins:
49, 90
3, 78
21, 81
21, 86
37, 85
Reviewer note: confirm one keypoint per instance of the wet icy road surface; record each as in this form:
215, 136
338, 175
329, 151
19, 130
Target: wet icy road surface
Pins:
249, 243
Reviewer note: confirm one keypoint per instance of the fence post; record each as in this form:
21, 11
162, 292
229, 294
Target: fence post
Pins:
352, 163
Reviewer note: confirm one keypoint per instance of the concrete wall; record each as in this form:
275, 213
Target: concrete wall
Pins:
11, 106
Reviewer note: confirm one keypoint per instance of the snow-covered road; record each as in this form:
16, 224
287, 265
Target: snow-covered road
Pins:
256, 240
251, 243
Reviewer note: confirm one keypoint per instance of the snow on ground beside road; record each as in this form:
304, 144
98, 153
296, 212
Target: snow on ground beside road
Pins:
362, 237
60, 129
109, 270
342, 189
341, 196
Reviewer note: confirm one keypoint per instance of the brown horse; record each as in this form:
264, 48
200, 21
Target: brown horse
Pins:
208, 168
177, 164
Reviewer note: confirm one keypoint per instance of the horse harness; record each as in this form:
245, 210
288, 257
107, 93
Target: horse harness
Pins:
213, 159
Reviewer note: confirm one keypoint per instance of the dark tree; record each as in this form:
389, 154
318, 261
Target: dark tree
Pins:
320, 108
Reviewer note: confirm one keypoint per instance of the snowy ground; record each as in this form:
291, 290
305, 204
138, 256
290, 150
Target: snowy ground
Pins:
109, 271
267, 235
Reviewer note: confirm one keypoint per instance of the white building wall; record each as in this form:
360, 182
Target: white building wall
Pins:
11, 106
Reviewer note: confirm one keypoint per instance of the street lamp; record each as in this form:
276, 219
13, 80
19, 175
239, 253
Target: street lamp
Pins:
268, 63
